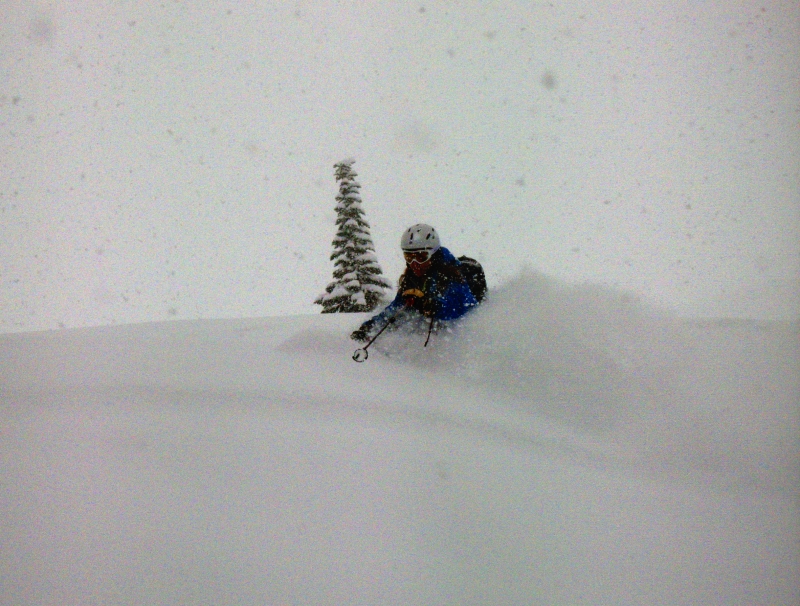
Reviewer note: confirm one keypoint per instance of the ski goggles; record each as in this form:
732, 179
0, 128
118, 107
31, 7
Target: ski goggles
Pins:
420, 256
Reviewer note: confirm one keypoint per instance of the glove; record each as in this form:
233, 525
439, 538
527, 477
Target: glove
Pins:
361, 334
412, 297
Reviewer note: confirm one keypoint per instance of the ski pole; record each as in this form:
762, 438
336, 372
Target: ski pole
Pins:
359, 355
430, 329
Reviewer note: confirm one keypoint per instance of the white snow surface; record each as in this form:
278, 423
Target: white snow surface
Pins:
564, 445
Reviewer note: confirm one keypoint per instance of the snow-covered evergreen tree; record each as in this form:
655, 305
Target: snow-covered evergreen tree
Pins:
358, 283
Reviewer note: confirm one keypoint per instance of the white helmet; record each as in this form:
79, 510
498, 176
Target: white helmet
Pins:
420, 237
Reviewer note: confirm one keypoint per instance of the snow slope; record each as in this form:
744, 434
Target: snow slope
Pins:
565, 445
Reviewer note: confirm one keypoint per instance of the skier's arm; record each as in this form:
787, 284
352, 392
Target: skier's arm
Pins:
362, 333
389, 312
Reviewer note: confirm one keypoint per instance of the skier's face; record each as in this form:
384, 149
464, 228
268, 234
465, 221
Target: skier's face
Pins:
418, 261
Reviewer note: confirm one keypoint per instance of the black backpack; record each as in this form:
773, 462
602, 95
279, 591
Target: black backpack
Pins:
473, 274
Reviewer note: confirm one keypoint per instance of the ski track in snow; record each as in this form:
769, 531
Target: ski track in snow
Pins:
563, 444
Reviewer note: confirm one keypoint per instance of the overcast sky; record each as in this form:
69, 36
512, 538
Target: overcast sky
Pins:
175, 160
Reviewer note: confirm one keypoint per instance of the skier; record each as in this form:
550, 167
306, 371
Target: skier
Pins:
432, 285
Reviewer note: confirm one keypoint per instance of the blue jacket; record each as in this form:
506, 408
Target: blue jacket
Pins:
445, 290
